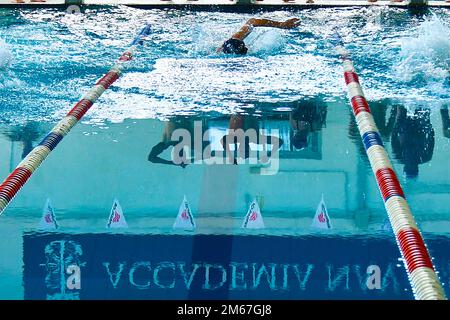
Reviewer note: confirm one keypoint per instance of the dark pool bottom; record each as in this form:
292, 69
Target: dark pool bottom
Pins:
113, 266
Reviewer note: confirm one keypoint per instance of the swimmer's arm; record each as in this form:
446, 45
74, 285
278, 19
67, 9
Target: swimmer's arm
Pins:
156, 159
252, 23
391, 120
247, 28
156, 151
288, 24
292, 122
226, 141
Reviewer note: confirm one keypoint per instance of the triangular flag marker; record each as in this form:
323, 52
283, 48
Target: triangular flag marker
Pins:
116, 217
185, 219
48, 220
253, 219
322, 219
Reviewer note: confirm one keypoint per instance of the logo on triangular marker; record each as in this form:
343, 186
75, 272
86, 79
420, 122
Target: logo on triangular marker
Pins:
322, 219
185, 219
116, 217
253, 219
48, 220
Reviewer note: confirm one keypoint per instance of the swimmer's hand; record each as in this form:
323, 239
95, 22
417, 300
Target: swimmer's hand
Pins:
291, 23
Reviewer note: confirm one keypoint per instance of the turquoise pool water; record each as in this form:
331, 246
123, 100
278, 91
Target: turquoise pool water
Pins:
48, 59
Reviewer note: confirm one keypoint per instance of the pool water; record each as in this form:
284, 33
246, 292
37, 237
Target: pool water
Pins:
49, 59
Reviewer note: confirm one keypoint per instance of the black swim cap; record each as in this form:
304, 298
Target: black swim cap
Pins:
235, 46
300, 139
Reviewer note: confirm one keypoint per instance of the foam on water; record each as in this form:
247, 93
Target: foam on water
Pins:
178, 71
425, 55
8, 79
266, 42
5, 55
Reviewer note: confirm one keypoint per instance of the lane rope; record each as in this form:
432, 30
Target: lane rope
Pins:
25, 169
419, 267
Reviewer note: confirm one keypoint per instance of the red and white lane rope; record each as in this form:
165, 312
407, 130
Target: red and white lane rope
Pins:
424, 281
17, 179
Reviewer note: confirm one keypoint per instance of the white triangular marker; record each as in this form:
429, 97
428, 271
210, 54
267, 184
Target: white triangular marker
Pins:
322, 219
48, 220
253, 219
116, 217
185, 219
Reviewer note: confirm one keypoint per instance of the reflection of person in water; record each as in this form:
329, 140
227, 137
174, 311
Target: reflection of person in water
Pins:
412, 139
250, 134
167, 142
308, 116
445, 122
175, 140
26, 134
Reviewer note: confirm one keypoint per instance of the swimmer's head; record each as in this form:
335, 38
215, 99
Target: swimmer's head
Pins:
300, 136
234, 46
300, 139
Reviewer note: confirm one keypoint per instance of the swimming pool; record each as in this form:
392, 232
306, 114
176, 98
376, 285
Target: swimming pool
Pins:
50, 58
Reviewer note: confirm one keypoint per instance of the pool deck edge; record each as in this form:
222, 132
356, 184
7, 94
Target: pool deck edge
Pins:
265, 4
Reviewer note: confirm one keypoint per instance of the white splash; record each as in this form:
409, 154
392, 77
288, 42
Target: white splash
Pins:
426, 53
266, 42
5, 55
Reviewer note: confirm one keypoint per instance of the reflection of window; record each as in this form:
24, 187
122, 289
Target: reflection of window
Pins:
278, 128
276, 125
314, 149
220, 128
217, 129
299, 123
196, 132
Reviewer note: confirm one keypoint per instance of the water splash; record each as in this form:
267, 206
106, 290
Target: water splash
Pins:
5, 56
178, 71
425, 55
7, 77
266, 42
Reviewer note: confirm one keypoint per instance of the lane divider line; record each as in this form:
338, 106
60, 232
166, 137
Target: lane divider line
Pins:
419, 267
25, 169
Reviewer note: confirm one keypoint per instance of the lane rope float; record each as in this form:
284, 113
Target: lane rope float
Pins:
17, 178
422, 276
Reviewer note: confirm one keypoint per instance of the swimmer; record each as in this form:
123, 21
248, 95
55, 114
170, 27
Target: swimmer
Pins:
236, 43
167, 142
308, 116
160, 148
